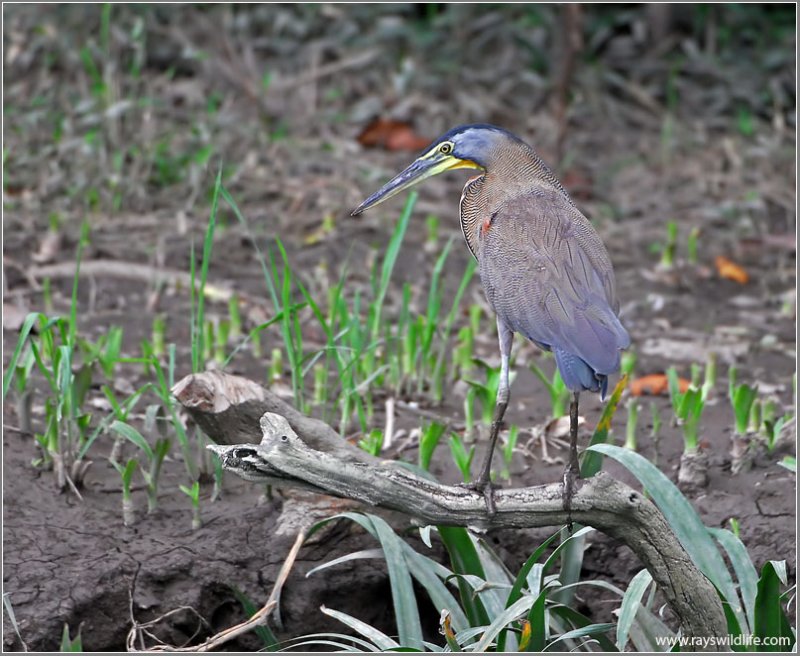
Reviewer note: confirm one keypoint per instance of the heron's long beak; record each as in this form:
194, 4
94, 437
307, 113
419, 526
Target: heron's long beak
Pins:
426, 166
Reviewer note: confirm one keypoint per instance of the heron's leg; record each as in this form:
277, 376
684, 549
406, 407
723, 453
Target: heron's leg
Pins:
573, 470
482, 484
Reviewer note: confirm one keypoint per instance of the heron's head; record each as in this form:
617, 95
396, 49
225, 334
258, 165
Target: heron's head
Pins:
464, 147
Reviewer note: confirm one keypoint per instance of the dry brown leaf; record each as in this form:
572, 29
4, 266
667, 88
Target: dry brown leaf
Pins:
730, 270
391, 135
655, 384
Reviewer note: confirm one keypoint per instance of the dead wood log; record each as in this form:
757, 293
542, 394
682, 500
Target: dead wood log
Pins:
295, 450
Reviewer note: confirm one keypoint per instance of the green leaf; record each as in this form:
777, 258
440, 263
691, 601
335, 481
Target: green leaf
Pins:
379, 638
502, 620
592, 630
464, 559
538, 623
198, 315
743, 398
27, 326
681, 516
392, 251
745, 571
519, 582
364, 554
132, 435
579, 620
429, 574
631, 603
409, 627
770, 619
577, 535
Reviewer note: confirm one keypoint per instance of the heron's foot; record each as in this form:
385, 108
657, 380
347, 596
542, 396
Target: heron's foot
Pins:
571, 475
486, 488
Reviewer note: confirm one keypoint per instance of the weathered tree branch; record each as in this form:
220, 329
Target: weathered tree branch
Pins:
296, 450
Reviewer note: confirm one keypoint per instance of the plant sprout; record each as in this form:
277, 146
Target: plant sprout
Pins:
461, 456
428, 440
373, 442
630, 428
559, 394
126, 474
193, 493
669, 248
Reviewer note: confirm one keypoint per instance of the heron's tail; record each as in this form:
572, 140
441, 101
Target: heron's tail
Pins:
578, 375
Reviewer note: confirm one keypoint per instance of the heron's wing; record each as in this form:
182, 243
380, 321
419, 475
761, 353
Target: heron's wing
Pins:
548, 276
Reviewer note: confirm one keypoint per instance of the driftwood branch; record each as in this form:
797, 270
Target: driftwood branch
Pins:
264, 439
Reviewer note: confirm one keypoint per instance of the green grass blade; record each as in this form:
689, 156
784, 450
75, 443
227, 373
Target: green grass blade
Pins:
543, 378
469, 272
268, 279
746, 573
464, 559
592, 630
502, 620
631, 603
682, 517
579, 620
770, 619
379, 638
25, 331
198, 347
409, 627
73, 307
522, 577
576, 536
356, 555
435, 298
537, 617
134, 436
392, 251
428, 572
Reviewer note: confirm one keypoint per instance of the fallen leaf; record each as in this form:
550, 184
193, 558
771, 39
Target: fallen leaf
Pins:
391, 135
655, 384
728, 269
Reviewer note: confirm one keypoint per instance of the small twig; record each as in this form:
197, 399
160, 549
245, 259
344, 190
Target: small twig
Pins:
287, 83
215, 641
135, 271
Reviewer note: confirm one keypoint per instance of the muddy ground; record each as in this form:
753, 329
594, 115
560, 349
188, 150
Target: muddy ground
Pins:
665, 120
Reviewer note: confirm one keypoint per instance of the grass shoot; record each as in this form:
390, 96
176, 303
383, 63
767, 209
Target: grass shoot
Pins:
193, 493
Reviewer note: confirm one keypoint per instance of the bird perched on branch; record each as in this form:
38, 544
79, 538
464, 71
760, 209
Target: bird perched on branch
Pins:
545, 270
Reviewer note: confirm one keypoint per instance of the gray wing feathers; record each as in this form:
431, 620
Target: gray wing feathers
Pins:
548, 276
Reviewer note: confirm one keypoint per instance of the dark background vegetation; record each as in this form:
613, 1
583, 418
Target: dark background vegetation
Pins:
121, 116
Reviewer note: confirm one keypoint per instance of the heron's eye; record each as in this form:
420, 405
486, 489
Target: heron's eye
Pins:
446, 148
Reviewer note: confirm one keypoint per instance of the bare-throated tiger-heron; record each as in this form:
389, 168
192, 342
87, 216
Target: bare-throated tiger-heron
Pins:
545, 270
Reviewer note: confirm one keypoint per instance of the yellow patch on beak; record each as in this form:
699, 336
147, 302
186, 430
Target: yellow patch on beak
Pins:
463, 164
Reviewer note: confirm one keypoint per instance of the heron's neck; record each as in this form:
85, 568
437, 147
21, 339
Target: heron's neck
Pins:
515, 168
